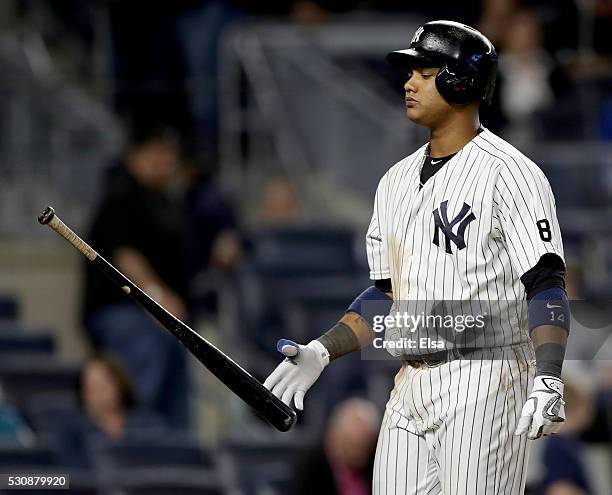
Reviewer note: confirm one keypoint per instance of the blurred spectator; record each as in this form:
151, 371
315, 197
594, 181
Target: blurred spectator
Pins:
13, 429
107, 396
142, 232
493, 18
110, 413
280, 204
535, 40
215, 244
308, 12
343, 464
601, 10
559, 20
563, 455
525, 69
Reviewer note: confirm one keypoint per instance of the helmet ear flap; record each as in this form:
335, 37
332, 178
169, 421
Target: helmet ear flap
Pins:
456, 88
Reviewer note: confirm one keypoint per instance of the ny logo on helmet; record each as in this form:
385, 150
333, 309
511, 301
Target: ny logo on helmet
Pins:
441, 223
417, 35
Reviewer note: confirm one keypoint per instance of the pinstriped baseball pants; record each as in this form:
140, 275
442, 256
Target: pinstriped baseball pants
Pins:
449, 429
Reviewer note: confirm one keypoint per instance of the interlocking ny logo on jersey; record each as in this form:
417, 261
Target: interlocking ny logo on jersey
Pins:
441, 223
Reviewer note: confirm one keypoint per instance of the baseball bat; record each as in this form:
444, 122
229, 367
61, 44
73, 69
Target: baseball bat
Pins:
237, 379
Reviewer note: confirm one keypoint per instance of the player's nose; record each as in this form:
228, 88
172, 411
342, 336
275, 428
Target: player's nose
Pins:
409, 85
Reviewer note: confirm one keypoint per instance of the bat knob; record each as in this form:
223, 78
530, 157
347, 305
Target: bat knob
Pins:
46, 216
288, 422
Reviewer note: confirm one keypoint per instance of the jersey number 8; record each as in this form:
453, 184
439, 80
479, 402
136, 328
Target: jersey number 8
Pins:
544, 229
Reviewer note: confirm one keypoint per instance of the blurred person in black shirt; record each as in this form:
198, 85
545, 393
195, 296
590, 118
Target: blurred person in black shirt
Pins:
140, 230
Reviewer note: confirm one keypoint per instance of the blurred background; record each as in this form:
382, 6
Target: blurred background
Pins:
224, 154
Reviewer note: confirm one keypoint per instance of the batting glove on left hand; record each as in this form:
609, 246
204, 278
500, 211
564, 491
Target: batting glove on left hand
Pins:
544, 412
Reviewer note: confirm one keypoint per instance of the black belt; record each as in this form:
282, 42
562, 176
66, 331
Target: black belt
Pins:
440, 357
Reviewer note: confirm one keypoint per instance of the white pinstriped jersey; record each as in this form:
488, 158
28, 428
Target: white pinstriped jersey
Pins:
469, 234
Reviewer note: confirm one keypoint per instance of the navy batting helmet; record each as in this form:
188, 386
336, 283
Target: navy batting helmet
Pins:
467, 60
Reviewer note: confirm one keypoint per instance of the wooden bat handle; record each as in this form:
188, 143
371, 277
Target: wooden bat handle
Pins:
48, 217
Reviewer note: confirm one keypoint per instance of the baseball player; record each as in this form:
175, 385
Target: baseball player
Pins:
466, 218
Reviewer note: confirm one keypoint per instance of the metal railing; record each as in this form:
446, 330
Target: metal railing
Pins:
289, 104
55, 135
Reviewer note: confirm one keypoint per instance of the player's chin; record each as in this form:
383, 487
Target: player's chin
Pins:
415, 115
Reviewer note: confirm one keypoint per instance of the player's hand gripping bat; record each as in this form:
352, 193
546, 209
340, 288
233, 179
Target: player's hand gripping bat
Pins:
238, 380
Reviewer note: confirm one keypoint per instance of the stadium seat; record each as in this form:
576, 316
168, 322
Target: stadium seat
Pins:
26, 457
165, 481
306, 319
46, 411
256, 464
304, 250
169, 466
14, 327
131, 455
39, 343
572, 186
23, 377
289, 265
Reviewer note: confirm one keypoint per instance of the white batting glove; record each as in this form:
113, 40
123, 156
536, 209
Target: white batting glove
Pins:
544, 412
295, 375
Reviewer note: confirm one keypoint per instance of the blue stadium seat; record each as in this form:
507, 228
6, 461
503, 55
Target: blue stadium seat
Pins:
130, 455
170, 466
167, 481
23, 377
13, 327
258, 464
309, 267
571, 185
307, 319
26, 457
11, 342
580, 185
304, 250
46, 411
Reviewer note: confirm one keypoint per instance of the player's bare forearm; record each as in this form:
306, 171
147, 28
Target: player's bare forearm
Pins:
549, 342
350, 334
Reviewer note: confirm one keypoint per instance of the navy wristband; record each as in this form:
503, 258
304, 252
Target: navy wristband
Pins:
370, 303
549, 307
